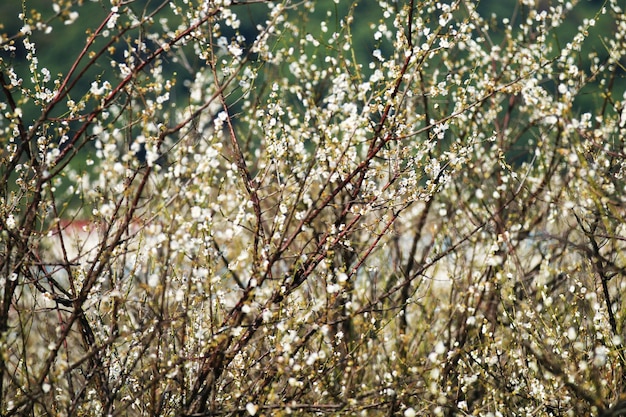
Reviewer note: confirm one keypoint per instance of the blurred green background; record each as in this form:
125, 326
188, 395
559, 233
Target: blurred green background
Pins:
57, 50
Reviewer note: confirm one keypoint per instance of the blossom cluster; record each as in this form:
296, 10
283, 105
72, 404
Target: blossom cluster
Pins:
259, 208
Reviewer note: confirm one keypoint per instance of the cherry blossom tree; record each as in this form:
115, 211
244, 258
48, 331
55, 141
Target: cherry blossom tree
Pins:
314, 208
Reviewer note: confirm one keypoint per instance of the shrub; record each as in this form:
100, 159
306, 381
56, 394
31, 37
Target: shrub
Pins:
387, 209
